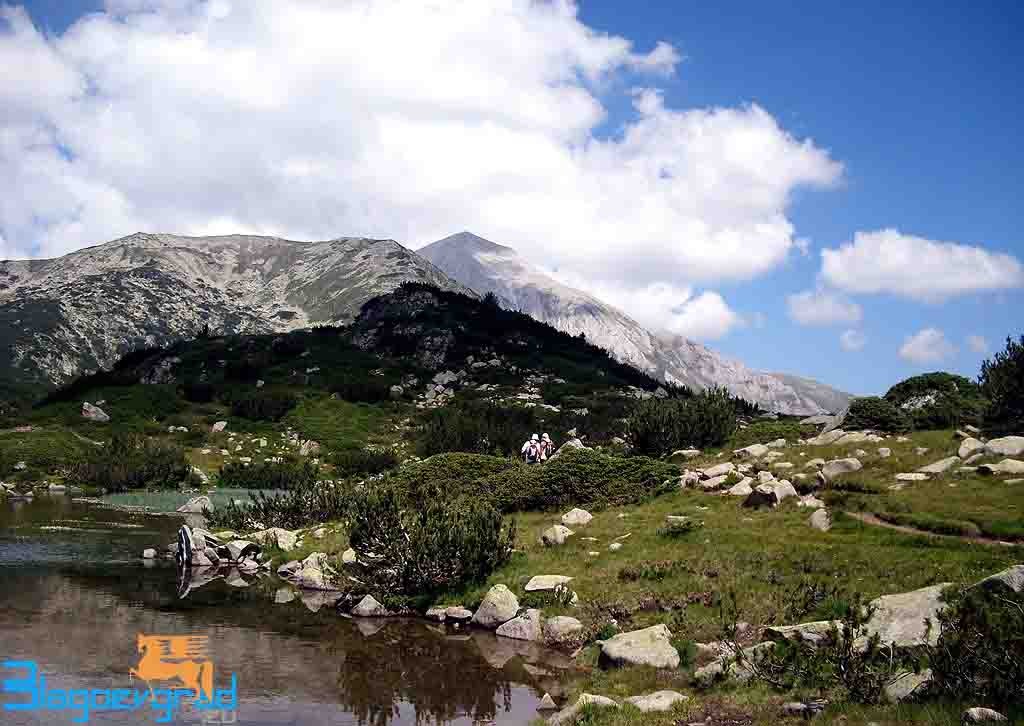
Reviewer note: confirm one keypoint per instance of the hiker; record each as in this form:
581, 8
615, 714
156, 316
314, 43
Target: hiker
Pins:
547, 447
532, 450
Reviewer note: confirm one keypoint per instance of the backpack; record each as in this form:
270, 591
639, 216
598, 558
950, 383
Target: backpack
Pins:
532, 453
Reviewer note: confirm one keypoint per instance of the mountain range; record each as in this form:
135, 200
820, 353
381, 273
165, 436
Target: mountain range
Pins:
488, 267
81, 312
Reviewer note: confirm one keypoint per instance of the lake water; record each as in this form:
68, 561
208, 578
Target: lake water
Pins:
75, 595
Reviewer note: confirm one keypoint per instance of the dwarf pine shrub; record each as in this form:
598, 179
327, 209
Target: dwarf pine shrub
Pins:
659, 426
1002, 381
876, 413
269, 475
131, 461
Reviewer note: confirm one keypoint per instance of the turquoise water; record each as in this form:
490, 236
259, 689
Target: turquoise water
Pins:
169, 501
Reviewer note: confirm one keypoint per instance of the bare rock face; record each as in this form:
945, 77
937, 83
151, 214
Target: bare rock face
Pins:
518, 284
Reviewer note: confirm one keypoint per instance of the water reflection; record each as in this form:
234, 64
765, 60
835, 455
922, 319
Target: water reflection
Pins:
75, 601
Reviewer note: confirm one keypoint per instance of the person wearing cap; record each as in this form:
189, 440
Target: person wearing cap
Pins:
531, 450
547, 447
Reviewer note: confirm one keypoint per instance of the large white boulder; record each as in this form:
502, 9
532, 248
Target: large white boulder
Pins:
1006, 446
838, 467
94, 413
498, 607
576, 517
555, 535
940, 466
970, 446
657, 701
539, 583
650, 647
525, 626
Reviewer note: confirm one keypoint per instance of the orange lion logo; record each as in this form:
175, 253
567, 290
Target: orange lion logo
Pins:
176, 657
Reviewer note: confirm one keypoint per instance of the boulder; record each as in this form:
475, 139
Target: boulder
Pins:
1009, 580
239, 549
754, 451
884, 452
218, 427
561, 628
815, 463
710, 485
569, 445
982, 715
657, 701
437, 612
569, 714
555, 535
914, 476
649, 647
742, 489
576, 518
777, 444
1006, 466
149, 554
284, 595
970, 446
681, 455
765, 477
498, 606
349, 557
457, 614
525, 626
196, 505
547, 703
900, 618
540, 583
851, 437
820, 520
811, 502
940, 466
368, 607
783, 490
826, 439
276, 537
1006, 446
718, 470
907, 685
94, 413
838, 467
763, 495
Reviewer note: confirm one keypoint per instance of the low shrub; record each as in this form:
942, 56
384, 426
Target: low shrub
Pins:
300, 506
262, 405
199, 392
873, 412
678, 530
939, 400
980, 650
759, 432
356, 462
656, 570
1002, 382
355, 390
478, 427
658, 426
422, 547
269, 475
131, 462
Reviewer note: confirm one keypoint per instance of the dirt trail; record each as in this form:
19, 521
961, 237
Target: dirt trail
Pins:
871, 519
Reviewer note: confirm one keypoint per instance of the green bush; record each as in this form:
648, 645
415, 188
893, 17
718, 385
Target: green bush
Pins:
357, 462
759, 432
302, 505
477, 427
1002, 381
132, 462
980, 650
873, 412
262, 405
938, 400
198, 392
269, 475
361, 390
423, 547
659, 427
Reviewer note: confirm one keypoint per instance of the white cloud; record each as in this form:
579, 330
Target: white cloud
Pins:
397, 118
822, 307
977, 343
852, 340
927, 346
917, 268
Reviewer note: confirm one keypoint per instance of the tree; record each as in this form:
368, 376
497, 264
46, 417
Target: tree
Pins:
1002, 381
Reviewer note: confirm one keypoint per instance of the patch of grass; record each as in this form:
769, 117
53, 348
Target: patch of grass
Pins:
337, 424
45, 451
761, 432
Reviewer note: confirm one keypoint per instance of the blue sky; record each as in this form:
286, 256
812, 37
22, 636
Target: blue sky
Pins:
920, 106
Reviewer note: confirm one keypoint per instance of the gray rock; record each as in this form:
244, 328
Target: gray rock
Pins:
915, 476
498, 606
276, 537
1006, 446
195, 505
827, 438
742, 489
525, 626
710, 485
436, 612
651, 647
982, 715
284, 595
907, 685
940, 466
368, 607
547, 703
657, 701
884, 452
576, 518
815, 464
970, 446
778, 444
218, 427
458, 614
1010, 579
1006, 466
763, 495
900, 618
677, 457
838, 467
561, 628
765, 477
149, 554
820, 520
570, 445
783, 490
754, 451
539, 583
94, 413
555, 535
718, 470
239, 549
568, 715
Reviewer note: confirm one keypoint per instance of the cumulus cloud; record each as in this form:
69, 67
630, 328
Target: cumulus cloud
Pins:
927, 346
822, 307
914, 267
977, 344
670, 309
852, 340
396, 118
